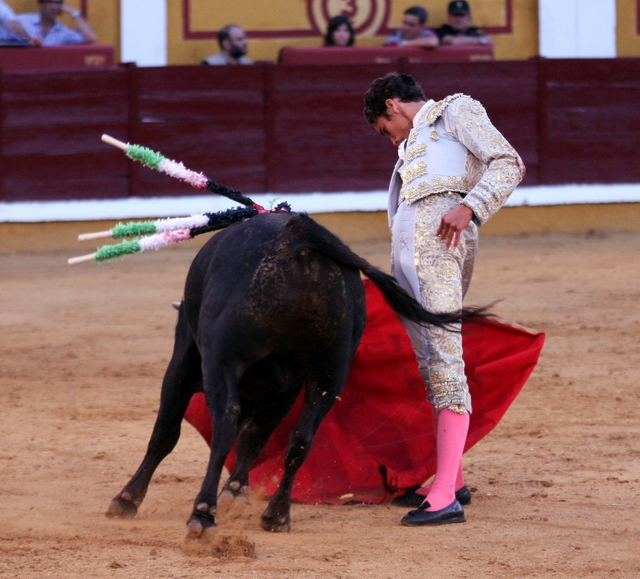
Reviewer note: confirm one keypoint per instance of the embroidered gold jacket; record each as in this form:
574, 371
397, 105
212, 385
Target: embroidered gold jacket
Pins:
454, 147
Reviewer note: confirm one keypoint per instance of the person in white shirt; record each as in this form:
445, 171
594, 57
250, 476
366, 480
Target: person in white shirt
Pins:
9, 22
44, 25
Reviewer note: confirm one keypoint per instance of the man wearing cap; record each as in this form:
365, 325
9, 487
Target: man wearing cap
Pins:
457, 30
413, 32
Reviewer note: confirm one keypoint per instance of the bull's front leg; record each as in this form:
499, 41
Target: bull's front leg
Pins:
163, 440
181, 380
203, 516
205, 506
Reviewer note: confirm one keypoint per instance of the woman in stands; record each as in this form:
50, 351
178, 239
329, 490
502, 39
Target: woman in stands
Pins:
339, 32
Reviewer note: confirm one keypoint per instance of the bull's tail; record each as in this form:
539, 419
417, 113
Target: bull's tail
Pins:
315, 236
407, 307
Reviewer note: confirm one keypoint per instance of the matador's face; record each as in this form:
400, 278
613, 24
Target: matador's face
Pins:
396, 125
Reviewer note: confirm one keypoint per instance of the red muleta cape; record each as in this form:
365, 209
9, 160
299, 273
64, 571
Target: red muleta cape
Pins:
378, 438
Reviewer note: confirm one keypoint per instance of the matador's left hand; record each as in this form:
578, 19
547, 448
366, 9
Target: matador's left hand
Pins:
453, 223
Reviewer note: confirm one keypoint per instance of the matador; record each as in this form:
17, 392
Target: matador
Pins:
455, 170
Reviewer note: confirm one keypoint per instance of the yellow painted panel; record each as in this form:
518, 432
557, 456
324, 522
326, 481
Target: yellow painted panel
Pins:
523, 42
628, 40
20, 6
104, 17
272, 15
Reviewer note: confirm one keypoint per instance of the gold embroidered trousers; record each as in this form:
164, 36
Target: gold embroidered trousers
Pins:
438, 278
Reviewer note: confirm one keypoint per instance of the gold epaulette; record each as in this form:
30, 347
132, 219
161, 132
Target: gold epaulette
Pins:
436, 110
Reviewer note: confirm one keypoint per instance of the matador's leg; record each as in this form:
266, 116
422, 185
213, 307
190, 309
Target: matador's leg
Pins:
439, 280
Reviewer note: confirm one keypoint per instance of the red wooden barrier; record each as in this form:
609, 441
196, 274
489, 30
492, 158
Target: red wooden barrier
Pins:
590, 131
389, 55
319, 139
298, 128
51, 127
211, 118
15, 58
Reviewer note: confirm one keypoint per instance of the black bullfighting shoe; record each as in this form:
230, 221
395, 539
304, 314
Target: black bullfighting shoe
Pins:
463, 495
411, 498
454, 513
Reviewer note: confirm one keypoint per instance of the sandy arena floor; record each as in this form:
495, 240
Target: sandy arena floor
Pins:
84, 349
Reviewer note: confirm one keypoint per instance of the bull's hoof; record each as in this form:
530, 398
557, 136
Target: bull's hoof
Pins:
197, 526
225, 500
122, 508
276, 525
234, 489
228, 497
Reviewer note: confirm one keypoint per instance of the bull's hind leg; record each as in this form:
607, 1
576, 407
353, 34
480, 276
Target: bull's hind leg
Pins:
254, 436
182, 379
323, 384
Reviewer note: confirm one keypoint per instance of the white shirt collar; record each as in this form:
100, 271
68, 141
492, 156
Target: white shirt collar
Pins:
422, 110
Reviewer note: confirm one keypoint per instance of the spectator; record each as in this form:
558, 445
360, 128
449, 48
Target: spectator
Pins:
457, 30
233, 47
413, 32
339, 32
11, 30
44, 26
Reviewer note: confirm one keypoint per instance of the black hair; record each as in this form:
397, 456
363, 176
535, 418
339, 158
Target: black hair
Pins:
333, 25
225, 34
418, 11
402, 86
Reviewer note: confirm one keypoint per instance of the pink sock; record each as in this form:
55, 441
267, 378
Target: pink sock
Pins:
424, 490
452, 434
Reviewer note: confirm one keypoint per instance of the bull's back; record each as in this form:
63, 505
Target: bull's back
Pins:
259, 276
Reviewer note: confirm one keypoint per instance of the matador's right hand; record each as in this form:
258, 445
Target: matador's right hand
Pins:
453, 223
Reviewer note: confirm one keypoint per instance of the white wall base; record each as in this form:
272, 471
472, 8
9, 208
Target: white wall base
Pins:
139, 208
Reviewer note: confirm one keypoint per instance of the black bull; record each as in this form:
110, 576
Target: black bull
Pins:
271, 305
